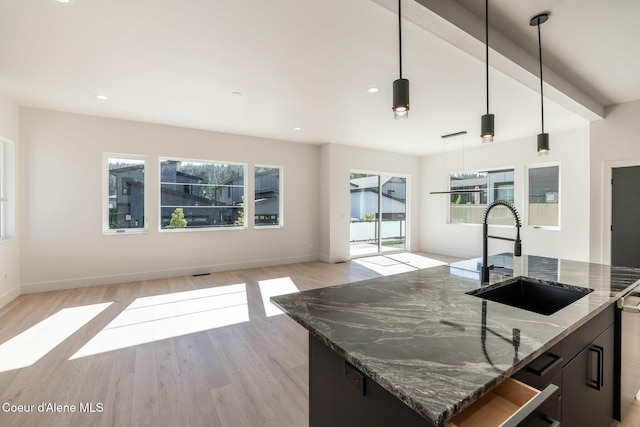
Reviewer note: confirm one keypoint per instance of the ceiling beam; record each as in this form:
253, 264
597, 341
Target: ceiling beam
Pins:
454, 24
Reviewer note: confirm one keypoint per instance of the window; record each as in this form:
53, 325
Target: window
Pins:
201, 194
3, 198
7, 189
489, 186
543, 196
125, 209
267, 201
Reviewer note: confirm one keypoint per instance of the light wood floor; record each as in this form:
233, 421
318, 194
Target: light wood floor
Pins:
251, 373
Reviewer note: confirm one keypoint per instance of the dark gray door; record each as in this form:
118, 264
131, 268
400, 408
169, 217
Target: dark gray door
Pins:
625, 216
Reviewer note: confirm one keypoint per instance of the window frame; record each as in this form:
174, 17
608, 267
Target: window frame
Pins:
106, 178
485, 170
526, 189
3, 198
280, 223
247, 211
7, 190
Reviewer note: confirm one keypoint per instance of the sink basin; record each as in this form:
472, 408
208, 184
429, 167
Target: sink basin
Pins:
533, 295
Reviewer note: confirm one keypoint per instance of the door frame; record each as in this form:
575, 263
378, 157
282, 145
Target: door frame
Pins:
407, 211
607, 205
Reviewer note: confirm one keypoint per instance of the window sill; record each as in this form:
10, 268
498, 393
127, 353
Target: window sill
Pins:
121, 231
544, 227
196, 230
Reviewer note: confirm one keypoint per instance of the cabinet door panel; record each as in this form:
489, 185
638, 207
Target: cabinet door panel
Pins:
588, 385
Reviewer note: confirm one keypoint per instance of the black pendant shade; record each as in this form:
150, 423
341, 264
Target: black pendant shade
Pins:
401, 98
543, 138
543, 143
400, 86
487, 128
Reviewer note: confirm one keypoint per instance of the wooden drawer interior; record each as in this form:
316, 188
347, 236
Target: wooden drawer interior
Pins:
496, 407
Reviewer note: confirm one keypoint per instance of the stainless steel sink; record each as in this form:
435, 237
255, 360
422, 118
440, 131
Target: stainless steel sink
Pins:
538, 296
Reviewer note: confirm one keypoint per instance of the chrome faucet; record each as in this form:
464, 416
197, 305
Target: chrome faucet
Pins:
517, 246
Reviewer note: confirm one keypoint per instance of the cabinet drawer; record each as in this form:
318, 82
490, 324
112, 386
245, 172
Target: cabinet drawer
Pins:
542, 370
582, 337
511, 403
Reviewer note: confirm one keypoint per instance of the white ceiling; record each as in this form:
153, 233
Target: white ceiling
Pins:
308, 64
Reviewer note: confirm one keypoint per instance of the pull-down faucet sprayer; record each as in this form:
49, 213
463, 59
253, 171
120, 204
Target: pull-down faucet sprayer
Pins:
517, 246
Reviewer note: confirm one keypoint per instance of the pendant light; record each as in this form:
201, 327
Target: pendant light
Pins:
487, 128
400, 86
543, 138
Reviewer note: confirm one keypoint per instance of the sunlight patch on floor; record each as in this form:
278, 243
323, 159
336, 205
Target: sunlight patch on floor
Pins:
386, 265
31, 345
165, 316
274, 287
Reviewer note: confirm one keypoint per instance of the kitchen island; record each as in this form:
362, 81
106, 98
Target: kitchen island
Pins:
422, 339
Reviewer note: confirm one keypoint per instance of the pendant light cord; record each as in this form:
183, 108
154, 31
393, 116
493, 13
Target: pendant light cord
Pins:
486, 43
541, 80
400, 34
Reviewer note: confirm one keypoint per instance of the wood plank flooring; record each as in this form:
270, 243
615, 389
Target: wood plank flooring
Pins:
250, 373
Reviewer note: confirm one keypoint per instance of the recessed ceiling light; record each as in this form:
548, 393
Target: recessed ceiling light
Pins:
63, 1
102, 97
297, 128
372, 90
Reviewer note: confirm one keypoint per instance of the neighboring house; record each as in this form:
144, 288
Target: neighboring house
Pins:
126, 197
364, 198
267, 196
202, 204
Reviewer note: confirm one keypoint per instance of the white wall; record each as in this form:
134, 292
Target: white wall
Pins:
615, 142
570, 148
61, 244
10, 248
62, 241
337, 163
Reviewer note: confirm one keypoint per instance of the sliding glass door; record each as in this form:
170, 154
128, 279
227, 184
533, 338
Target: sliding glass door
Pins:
378, 213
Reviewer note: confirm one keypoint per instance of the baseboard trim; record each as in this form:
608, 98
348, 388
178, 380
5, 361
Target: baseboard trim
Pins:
57, 285
9, 296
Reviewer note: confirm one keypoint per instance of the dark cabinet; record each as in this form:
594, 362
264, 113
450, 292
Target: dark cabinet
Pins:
589, 384
582, 366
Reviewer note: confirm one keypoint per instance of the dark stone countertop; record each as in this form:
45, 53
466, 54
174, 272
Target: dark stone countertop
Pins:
418, 334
